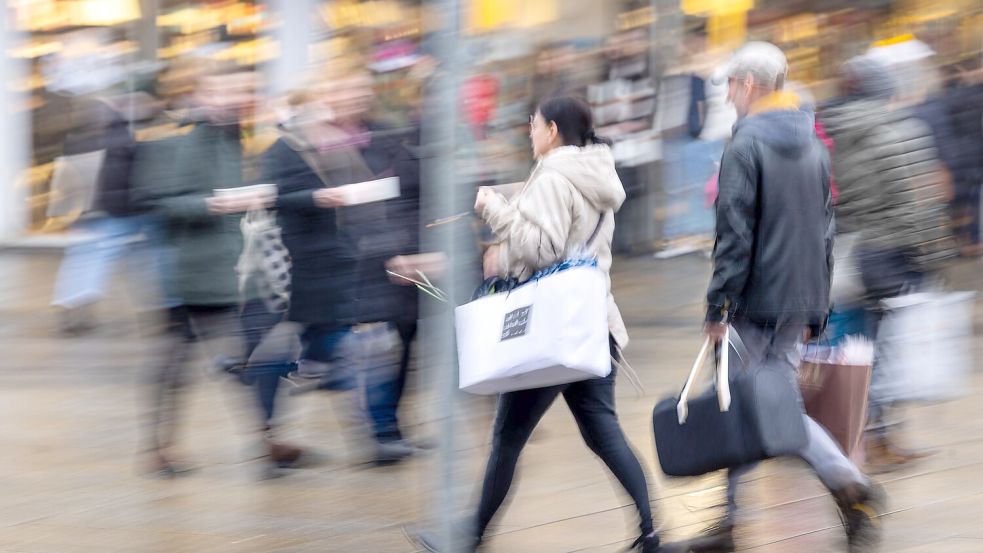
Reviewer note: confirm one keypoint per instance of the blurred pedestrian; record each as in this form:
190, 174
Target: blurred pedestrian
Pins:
964, 99
100, 148
570, 198
382, 232
203, 231
310, 157
373, 319
892, 203
771, 267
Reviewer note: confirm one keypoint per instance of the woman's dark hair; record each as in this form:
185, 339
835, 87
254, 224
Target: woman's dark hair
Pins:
573, 120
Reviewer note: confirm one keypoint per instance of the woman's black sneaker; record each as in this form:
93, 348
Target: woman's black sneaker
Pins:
717, 538
652, 544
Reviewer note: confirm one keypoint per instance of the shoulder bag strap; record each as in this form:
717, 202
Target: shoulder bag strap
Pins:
597, 230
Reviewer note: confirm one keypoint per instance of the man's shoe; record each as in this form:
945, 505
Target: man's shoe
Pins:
879, 458
388, 453
289, 456
909, 454
883, 455
860, 511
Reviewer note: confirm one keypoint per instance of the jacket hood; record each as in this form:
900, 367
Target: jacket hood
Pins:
591, 171
864, 77
790, 132
849, 120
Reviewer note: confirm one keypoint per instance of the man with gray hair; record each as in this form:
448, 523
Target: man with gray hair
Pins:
772, 263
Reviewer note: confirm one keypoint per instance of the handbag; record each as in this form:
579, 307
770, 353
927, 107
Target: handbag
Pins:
834, 393
749, 416
265, 256
549, 330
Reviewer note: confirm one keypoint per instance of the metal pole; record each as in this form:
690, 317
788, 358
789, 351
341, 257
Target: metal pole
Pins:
293, 34
15, 138
147, 33
443, 195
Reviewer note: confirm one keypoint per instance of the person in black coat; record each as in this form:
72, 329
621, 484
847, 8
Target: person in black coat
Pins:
965, 104
323, 255
339, 254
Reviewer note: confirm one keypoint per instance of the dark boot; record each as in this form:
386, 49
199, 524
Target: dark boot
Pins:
860, 510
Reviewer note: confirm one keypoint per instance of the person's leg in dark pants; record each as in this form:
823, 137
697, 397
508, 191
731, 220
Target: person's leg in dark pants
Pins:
384, 352
256, 322
168, 381
592, 405
517, 416
271, 359
407, 334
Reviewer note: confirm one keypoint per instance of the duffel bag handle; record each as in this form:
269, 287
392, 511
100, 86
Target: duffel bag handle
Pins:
723, 383
723, 373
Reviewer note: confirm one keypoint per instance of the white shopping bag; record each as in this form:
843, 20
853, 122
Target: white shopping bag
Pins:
924, 346
74, 182
846, 286
549, 331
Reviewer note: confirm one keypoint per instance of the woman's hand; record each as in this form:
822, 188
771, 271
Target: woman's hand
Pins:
240, 203
489, 261
484, 194
327, 198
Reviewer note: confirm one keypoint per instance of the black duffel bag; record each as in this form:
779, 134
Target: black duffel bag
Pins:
751, 417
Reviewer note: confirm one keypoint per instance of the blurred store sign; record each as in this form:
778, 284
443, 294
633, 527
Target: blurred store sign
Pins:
487, 15
45, 15
237, 18
342, 14
799, 27
715, 7
642, 17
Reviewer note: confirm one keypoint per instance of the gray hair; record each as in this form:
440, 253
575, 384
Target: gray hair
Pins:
764, 61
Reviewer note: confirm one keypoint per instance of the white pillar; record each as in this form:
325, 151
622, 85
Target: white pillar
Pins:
293, 35
15, 139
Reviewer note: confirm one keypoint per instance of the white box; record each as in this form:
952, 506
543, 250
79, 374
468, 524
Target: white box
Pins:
370, 191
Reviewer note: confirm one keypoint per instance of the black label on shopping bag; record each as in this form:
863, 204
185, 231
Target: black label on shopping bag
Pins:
516, 323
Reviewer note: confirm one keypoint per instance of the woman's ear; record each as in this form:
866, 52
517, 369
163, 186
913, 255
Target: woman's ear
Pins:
554, 131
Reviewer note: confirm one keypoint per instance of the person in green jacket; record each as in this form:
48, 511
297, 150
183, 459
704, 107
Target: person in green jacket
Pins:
205, 241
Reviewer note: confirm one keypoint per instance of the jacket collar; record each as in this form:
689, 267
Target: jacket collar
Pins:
776, 101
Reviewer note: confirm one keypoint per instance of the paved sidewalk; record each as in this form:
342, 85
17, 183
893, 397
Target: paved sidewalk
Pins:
72, 410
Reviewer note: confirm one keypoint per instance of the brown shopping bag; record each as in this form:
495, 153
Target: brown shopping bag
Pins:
835, 395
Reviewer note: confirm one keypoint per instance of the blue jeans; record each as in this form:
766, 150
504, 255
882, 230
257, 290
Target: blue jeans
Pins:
383, 354
84, 269
275, 355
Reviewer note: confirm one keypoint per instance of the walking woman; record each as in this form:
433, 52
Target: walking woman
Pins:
572, 191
